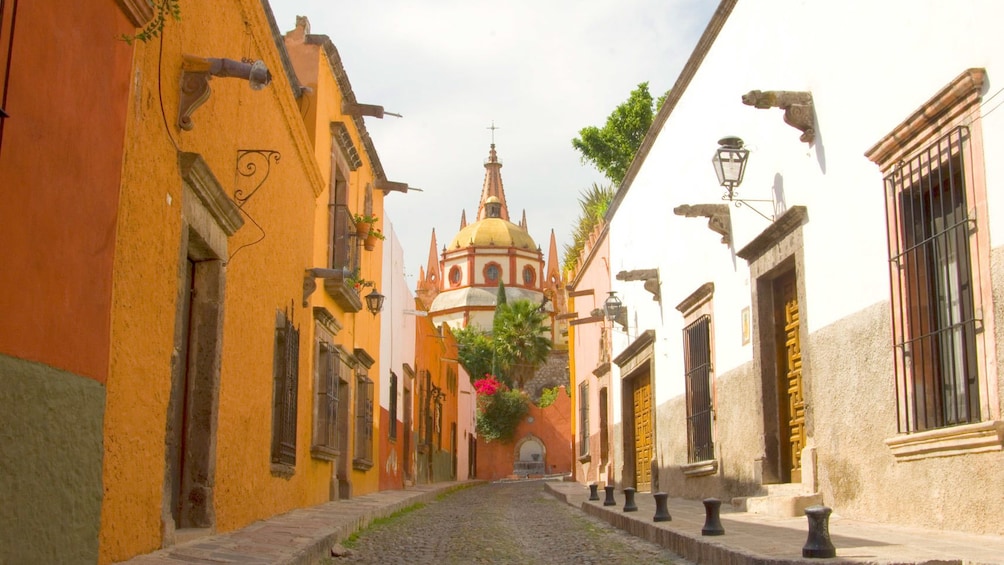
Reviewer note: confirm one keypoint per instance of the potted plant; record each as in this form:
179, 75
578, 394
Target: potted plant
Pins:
357, 282
371, 238
363, 223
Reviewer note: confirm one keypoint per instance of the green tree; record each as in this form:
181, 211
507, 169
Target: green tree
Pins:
520, 339
476, 352
500, 295
611, 148
593, 204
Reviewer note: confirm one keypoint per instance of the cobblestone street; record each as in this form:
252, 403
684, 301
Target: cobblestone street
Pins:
500, 523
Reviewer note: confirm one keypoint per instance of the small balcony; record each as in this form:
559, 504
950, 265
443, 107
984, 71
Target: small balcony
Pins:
344, 295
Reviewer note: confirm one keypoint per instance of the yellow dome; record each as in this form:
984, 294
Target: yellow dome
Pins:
492, 232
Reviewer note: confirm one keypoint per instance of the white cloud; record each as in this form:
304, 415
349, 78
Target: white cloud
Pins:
541, 70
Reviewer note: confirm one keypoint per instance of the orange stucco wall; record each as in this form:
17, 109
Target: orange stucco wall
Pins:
551, 425
263, 273
60, 167
436, 352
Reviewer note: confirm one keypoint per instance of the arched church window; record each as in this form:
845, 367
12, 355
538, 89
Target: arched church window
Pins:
529, 275
455, 276
492, 273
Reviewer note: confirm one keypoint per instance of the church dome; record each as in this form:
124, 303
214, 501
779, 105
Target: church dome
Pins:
492, 232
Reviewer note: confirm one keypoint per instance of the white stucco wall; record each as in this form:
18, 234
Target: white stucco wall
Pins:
869, 66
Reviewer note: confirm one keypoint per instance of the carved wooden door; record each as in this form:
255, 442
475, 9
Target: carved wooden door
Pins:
791, 402
642, 394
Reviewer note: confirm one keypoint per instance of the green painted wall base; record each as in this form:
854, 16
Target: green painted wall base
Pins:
50, 464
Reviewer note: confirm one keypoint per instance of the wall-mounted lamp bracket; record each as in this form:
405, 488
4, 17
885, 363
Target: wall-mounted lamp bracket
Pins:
740, 202
196, 73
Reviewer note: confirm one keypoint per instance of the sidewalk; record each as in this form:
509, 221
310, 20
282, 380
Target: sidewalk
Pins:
299, 537
759, 540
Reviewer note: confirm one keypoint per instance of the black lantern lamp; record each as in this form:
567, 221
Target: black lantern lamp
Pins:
374, 302
730, 163
614, 309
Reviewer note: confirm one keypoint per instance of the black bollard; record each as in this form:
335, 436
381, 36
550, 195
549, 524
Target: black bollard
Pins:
712, 518
661, 507
593, 495
609, 489
818, 543
629, 505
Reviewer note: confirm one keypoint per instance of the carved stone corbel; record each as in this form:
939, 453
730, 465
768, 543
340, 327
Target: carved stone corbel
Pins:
798, 109
650, 276
717, 215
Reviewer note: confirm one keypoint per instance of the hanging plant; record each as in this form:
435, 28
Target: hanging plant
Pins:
357, 283
161, 10
363, 223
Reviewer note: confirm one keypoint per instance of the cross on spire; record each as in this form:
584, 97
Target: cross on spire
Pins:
493, 127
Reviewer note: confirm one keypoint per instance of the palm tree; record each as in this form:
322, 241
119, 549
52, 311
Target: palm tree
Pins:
520, 336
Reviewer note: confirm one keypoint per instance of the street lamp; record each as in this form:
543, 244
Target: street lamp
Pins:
614, 309
730, 163
374, 302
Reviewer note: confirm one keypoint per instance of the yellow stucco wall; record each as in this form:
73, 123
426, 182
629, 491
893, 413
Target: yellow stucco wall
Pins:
359, 329
261, 278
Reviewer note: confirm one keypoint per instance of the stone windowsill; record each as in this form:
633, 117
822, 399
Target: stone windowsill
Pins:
701, 468
283, 471
362, 464
324, 453
947, 442
585, 458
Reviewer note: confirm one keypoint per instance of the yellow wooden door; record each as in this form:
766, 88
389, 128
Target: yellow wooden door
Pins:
789, 363
642, 395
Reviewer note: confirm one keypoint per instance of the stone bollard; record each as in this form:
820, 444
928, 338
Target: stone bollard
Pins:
629, 505
712, 518
818, 543
661, 507
593, 495
609, 489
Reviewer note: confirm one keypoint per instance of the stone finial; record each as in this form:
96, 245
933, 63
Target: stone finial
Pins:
797, 106
717, 215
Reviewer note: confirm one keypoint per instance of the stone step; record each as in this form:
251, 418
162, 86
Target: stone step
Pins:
780, 501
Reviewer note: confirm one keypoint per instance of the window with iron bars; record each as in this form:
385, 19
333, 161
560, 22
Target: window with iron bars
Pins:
583, 419
934, 305
363, 453
326, 387
393, 407
697, 367
285, 371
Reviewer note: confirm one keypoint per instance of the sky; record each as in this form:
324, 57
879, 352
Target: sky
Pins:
540, 70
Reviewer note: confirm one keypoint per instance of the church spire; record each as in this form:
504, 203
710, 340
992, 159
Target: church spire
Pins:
429, 281
463, 219
553, 266
493, 186
522, 223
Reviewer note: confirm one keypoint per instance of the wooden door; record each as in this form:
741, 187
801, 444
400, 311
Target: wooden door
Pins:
791, 402
642, 402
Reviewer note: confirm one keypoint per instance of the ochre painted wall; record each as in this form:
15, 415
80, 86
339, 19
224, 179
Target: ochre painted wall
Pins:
263, 273
360, 330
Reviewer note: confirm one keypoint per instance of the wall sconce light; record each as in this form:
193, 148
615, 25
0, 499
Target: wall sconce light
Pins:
195, 75
310, 285
374, 302
729, 161
615, 310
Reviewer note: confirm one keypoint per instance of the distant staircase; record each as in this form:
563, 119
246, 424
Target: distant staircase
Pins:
780, 501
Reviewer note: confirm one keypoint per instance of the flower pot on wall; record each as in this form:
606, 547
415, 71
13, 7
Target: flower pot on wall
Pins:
370, 242
363, 228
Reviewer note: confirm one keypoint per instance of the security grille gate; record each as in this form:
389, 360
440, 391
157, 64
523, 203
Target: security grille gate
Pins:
935, 320
286, 369
697, 364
